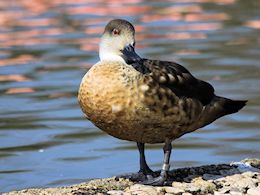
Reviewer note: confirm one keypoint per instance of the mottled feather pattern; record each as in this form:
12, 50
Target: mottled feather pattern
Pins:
143, 100
179, 80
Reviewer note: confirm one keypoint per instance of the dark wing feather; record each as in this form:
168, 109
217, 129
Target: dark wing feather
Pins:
177, 78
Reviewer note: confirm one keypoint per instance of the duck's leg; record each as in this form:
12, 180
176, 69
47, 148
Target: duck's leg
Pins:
144, 168
157, 181
144, 173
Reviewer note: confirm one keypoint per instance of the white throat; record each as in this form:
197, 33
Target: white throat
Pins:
109, 56
106, 52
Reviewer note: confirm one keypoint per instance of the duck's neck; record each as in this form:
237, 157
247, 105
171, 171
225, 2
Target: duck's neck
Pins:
107, 54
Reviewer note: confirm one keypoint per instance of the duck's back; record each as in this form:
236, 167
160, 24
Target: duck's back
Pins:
193, 95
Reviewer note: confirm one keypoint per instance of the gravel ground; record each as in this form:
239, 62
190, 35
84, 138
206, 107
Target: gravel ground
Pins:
236, 178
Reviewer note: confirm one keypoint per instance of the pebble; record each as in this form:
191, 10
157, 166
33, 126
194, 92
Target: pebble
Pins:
254, 191
235, 193
211, 177
174, 190
218, 193
115, 192
238, 181
142, 190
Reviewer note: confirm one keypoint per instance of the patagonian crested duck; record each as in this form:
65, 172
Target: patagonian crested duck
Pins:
144, 100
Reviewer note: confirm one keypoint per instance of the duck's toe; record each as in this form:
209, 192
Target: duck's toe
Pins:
154, 181
139, 176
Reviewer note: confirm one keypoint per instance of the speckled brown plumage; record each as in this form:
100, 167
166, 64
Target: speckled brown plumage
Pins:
146, 101
147, 108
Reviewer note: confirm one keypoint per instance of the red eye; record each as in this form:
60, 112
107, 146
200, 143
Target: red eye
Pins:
115, 31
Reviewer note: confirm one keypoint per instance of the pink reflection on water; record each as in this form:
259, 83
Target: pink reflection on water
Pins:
253, 24
173, 36
94, 1
94, 21
109, 9
89, 47
186, 35
56, 95
13, 77
30, 37
94, 30
20, 90
206, 16
39, 6
187, 52
224, 2
157, 18
22, 59
89, 44
198, 27
8, 18
183, 8
36, 22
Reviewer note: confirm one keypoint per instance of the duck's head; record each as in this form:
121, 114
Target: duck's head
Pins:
118, 42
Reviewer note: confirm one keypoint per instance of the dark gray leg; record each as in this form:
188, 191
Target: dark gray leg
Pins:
145, 173
144, 168
167, 149
157, 181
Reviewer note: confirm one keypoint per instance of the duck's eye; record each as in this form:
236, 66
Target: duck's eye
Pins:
134, 44
115, 31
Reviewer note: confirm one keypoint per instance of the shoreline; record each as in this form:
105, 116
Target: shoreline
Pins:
235, 178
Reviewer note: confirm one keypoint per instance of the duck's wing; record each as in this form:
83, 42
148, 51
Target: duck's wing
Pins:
178, 79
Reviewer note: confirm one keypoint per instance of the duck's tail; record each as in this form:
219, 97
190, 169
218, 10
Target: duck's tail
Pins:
219, 107
233, 106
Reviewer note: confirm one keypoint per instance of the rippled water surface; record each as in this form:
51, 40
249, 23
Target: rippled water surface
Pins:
47, 46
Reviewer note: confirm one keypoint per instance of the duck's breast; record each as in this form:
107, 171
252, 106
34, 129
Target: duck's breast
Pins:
109, 97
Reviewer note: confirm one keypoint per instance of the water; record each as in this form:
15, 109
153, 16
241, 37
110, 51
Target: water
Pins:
47, 46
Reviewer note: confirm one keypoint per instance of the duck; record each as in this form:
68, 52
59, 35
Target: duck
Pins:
145, 100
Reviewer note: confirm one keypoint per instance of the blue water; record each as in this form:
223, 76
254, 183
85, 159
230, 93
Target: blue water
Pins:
46, 48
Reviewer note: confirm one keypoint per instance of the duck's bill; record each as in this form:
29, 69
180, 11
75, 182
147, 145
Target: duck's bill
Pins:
129, 55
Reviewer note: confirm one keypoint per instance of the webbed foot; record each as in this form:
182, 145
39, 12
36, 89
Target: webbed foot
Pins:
140, 176
155, 181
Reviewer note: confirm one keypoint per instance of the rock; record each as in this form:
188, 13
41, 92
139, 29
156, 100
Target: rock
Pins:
222, 191
253, 162
186, 187
219, 193
173, 190
205, 186
160, 189
254, 191
197, 185
142, 190
235, 193
237, 181
211, 177
115, 192
232, 171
